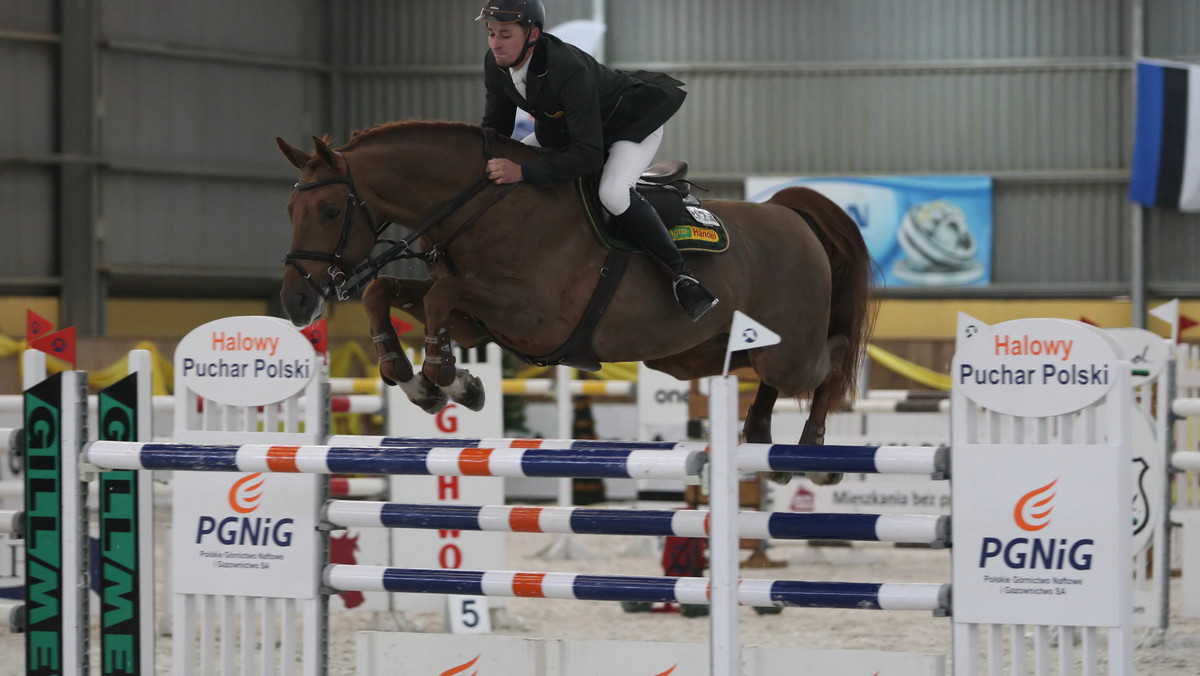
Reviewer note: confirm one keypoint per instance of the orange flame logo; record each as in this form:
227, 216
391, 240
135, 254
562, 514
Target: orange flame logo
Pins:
1032, 512
246, 492
668, 671
452, 671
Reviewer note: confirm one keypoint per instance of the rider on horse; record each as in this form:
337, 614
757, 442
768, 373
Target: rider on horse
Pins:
586, 111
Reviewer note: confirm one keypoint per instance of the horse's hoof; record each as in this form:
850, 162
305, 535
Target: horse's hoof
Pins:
825, 478
467, 390
781, 478
432, 403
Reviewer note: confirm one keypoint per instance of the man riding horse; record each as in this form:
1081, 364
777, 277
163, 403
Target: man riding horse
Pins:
600, 120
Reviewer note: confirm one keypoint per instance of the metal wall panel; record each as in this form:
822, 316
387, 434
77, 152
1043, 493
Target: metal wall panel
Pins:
36, 16
715, 31
27, 218
910, 121
169, 223
194, 96
212, 113
1173, 29
293, 28
28, 49
1061, 234
427, 32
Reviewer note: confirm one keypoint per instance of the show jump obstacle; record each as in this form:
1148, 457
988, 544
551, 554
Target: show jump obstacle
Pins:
1041, 444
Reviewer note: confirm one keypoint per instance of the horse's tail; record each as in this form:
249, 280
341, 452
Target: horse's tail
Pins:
852, 305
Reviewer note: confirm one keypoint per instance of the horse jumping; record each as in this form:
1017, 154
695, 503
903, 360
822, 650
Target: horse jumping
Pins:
520, 266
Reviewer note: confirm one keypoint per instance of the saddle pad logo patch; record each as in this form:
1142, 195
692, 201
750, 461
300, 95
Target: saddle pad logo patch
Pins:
686, 233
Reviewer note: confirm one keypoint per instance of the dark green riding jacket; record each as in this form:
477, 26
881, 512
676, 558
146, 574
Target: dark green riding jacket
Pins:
579, 107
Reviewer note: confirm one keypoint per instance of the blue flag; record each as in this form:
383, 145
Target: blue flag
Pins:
1166, 150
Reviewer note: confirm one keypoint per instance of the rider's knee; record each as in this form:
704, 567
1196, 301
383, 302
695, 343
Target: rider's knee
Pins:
614, 194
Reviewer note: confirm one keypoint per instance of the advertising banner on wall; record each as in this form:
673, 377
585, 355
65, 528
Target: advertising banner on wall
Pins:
922, 231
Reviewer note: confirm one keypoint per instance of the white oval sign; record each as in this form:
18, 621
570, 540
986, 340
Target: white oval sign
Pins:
1146, 351
1034, 367
245, 361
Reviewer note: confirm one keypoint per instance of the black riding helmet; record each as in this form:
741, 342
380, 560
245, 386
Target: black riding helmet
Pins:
524, 12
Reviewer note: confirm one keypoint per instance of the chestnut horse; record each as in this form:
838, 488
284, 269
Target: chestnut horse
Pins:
519, 265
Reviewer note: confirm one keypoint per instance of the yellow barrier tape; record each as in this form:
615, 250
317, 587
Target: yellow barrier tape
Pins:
10, 347
342, 360
915, 372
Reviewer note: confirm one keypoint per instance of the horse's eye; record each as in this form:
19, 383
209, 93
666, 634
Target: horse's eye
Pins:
331, 212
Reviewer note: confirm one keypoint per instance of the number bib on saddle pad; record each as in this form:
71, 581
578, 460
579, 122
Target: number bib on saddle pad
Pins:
694, 228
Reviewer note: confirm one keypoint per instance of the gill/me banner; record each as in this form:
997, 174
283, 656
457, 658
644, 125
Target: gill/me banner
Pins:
922, 231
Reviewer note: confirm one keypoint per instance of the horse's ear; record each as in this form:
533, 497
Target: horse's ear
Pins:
297, 157
324, 152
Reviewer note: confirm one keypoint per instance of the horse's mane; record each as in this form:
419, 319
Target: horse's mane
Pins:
444, 131
390, 131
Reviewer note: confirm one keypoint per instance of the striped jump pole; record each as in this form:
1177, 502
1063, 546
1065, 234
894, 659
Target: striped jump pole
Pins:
1187, 461
873, 405
929, 597
437, 461
546, 387
1185, 407
12, 439
355, 386
12, 615
908, 528
12, 522
933, 461
357, 487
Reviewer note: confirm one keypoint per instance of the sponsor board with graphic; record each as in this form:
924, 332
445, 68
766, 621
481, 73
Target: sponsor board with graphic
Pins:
1035, 542
258, 538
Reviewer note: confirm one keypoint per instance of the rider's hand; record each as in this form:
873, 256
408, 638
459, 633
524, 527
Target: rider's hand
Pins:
500, 170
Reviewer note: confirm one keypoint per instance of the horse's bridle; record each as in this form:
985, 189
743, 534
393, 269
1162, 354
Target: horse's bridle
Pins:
345, 280
339, 271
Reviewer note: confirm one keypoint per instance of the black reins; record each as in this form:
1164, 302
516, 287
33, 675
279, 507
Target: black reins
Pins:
344, 279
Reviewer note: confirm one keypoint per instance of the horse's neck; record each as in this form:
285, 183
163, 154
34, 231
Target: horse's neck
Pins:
405, 184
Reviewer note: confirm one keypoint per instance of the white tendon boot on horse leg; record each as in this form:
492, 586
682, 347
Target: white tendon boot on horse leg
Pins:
466, 390
395, 369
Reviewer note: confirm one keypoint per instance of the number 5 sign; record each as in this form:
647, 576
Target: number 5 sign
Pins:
468, 615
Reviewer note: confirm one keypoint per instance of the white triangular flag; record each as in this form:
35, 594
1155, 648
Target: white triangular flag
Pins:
746, 334
1169, 313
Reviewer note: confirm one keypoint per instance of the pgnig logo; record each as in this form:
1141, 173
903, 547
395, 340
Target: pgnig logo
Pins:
1033, 512
245, 496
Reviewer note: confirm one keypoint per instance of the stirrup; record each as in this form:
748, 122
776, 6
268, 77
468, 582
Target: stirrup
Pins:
696, 300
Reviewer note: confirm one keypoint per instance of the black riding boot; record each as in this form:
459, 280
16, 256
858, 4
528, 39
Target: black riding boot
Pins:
641, 222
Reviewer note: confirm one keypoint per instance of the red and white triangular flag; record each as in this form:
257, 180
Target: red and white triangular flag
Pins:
318, 335
36, 326
60, 344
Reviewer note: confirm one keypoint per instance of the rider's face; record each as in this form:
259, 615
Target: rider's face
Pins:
506, 41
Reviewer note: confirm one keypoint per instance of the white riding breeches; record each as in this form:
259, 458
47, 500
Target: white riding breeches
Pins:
626, 162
